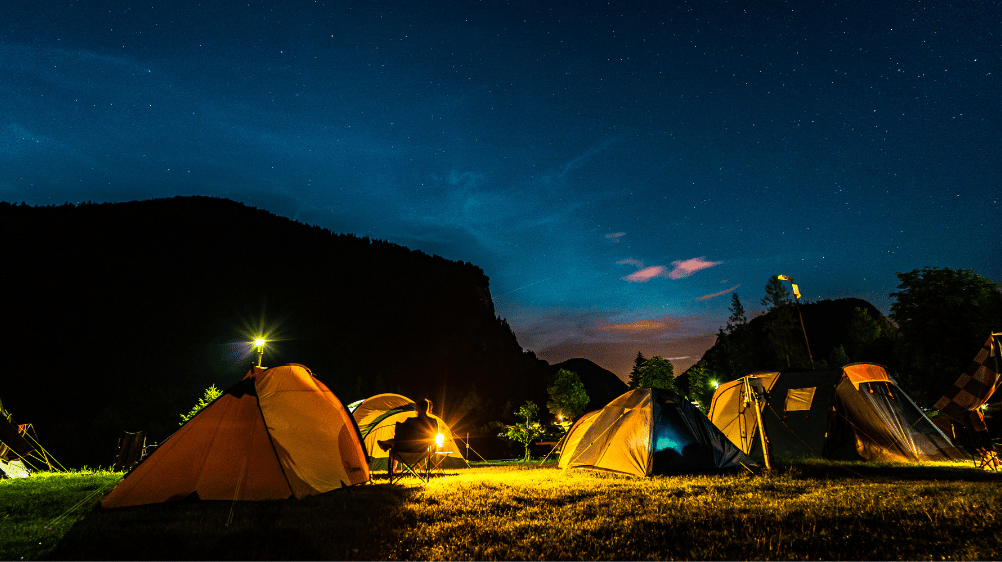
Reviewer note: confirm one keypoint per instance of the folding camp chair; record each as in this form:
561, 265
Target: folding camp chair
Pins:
987, 454
131, 450
411, 461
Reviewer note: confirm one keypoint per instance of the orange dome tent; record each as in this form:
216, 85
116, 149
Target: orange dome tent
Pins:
276, 434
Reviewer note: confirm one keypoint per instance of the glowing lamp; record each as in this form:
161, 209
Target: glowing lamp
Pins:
439, 440
714, 384
259, 344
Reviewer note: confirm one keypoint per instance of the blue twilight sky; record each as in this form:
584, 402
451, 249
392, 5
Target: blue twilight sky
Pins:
618, 169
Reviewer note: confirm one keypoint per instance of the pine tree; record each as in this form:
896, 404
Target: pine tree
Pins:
635, 373
737, 318
781, 325
776, 294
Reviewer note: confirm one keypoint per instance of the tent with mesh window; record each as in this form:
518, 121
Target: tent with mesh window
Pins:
854, 413
648, 431
278, 433
377, 418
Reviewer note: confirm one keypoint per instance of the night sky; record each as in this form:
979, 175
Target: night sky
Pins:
618, 169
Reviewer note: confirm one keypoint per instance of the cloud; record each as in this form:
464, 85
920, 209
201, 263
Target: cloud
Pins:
662, 325
646, 274
724, 292
682, 269
685, 268
615, 236
631, 261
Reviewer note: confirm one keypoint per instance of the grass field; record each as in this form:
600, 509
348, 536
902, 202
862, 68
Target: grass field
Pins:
803, 511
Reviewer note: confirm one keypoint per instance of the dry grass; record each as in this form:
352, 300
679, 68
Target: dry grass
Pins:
803, 511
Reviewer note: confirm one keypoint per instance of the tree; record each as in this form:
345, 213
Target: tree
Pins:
526, 431
781, 326
737, 318
568, 397
776, 294
657, 372
638, 361
863, 330
838, 358
943, 317
211, 394
700, 388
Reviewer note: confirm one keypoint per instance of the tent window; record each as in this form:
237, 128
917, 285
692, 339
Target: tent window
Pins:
799, 399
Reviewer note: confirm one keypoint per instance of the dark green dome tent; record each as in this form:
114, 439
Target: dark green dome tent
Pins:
854, 413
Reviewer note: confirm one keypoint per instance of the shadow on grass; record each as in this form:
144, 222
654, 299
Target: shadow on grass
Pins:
357, 523
839, 470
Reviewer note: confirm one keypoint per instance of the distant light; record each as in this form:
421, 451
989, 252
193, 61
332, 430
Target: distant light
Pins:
259, 342
714, 384
439, 439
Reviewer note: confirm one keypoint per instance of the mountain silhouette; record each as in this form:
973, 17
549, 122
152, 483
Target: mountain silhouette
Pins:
117, 316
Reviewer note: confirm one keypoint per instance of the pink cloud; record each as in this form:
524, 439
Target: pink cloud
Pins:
646, 273
724, 292
685, 268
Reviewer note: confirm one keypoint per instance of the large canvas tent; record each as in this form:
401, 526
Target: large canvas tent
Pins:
854, 413
276, 434
648, 431
377, 417
20, 451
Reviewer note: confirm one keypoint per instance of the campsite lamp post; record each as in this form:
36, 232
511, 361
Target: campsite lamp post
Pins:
259, 343
796, 300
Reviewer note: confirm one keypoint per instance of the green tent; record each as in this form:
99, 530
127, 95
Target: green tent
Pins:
854, 413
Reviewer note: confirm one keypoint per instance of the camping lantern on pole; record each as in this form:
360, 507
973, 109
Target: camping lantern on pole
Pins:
259, 344
796, 300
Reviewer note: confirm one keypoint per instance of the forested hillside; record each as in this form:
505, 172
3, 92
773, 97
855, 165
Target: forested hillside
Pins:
117, 317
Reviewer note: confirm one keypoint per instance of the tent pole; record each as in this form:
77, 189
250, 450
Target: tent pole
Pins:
749, 393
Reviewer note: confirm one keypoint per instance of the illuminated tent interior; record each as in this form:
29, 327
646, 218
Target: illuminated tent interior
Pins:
377, 417
276, 434
645, 432
856, 413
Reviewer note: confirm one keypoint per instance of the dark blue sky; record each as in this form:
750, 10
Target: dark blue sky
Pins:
616, 168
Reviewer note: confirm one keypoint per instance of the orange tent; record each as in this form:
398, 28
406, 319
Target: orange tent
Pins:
277, 433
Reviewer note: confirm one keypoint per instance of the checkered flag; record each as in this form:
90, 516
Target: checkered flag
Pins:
972, 389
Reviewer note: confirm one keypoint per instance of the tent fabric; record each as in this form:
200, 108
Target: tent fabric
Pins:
857, 412
11, 436
278, 433
645, 432
14, 469
974, 387
377, 417
732, 417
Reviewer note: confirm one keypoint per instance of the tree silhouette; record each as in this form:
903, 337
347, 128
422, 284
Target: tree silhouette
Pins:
568, 397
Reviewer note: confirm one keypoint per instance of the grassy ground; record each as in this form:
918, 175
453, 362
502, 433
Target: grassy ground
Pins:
803, 511
35, 512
